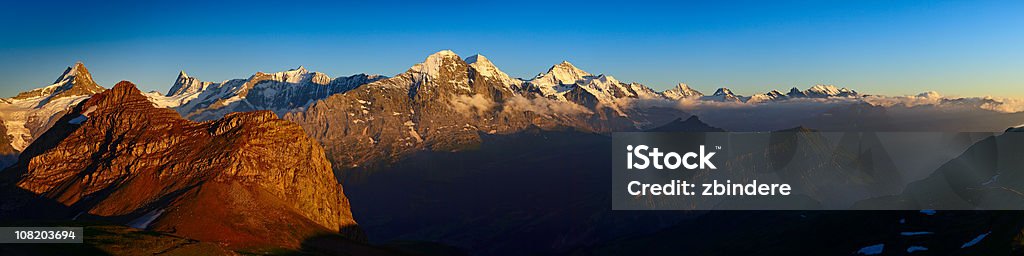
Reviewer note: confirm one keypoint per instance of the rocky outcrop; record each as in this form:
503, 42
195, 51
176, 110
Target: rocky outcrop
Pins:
249, 179
8, 154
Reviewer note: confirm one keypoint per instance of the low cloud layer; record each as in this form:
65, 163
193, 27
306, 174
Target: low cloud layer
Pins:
934, 99
923, 112
472, 104
544, 106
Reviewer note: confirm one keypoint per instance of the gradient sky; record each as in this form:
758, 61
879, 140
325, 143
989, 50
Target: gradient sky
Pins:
963, 48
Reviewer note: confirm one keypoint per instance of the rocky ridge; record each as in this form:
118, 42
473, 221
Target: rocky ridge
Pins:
233, 180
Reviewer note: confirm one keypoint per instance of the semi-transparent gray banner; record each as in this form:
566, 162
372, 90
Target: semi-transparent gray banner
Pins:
808, 170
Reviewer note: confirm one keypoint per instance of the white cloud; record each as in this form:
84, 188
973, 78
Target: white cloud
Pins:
472, 104
544, 106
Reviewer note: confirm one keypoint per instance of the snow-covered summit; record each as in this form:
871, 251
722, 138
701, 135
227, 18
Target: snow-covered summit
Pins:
724, 95
566, 73
559, 79
822, 91
432, 65
795, 93
723, 91
486, 68
29, 114
295, 75
682, 91
773, 95
185, 85
75, 81
280, 92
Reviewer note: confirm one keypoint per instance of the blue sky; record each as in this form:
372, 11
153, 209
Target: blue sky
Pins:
964, 48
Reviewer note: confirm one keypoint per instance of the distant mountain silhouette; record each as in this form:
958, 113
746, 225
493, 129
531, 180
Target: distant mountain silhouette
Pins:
692, 124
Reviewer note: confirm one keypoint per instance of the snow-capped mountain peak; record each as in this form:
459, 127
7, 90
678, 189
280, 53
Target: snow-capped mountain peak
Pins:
773, 95
820, 91
566, 73
723, 94
486, 68
682, 91
74, 71
295, 75
186, 85
75, 81
606, 79
477, 58
723, 91
795, 93
28, 114
560, 78
824, 89
433, 64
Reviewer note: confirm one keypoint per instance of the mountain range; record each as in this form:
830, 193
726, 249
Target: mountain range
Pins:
439, 104
231, 162
446, 102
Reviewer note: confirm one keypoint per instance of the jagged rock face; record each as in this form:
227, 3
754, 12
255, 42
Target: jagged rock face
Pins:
75, 81
441, 104
8, 154
249, 179
186, 85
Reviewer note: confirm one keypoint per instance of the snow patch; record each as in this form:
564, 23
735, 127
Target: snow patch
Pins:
991, 180
976, 240
872, 249
144, 221
79, 119
916, 249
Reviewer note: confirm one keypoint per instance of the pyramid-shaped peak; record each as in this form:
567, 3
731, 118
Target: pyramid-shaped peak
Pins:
723, 91
125, 87
75, 81
74, 71
444, 53
432, 65
477, 58
565, 65
182, 74
567, 70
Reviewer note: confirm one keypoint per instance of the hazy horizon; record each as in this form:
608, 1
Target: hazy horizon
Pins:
955, 48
